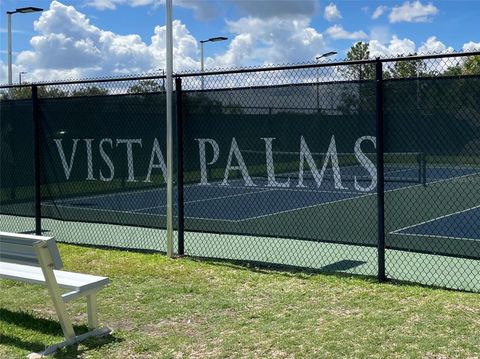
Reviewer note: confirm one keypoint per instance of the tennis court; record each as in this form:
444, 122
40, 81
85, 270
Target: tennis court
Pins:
260, 198
253, 183
235, 204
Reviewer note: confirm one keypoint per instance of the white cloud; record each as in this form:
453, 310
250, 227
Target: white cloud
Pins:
185, 50
471, 46
337, 32
413, 12
68, 44
104, 4
332, 13
380, 33
398, 47
394, 48
273, 40
379, 11
241, 51
433, 46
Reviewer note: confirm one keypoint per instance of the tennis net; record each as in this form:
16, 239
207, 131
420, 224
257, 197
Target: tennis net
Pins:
405, 167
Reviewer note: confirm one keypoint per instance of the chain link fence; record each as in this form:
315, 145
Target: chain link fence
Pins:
365, 167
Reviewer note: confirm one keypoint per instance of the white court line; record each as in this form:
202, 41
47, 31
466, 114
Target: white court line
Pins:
211, 184
306, 207
95, 209
256, 217
73, 199
434, 219
353, 198
433, 236
140, 214
290, 189
255, 190
209, 199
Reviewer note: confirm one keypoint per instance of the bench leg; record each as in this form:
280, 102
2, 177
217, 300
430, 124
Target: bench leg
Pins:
92, 311
53, 348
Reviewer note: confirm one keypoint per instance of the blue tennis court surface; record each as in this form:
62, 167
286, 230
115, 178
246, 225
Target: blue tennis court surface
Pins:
237, 202
460, 225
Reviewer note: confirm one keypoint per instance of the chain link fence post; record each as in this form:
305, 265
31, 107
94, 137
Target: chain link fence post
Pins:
37, 160
179, 118
380, 169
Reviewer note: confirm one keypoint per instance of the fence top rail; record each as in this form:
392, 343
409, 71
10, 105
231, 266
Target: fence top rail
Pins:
330, 64
253, 69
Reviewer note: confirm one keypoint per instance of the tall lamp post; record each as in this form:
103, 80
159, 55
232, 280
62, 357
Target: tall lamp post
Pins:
22, 10
20, 76
212, 39
327, 54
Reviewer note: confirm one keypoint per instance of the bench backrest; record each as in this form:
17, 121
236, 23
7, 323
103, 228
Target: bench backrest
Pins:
19, 248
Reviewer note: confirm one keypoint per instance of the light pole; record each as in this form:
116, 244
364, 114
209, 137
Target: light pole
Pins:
20, 76
22, 10
212, 39
327, 54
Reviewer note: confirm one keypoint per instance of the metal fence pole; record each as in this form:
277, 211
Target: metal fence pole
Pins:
169, 68
380, 170
37, 161
181, 240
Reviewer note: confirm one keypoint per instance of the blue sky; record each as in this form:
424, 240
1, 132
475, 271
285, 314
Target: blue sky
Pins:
91, 38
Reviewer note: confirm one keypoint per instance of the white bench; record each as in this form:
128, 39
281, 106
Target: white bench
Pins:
36, 259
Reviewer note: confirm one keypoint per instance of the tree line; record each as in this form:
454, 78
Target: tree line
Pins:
407, 68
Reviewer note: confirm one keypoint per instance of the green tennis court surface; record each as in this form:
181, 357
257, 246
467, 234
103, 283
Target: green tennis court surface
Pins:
326, 257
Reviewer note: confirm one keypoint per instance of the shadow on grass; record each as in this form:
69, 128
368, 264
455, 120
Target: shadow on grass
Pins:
31, 322
29, 346
339, 268
48, 327
74, 351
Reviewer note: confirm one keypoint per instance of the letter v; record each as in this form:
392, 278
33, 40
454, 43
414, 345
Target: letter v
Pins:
67, 168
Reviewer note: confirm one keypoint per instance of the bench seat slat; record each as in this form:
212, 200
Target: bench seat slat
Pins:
69, 280
18, 248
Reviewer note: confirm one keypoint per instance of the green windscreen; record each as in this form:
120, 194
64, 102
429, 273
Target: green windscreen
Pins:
102, 156
282, 161
440, 118
16, 153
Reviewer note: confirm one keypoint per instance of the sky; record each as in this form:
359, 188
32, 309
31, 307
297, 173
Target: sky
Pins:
101, 38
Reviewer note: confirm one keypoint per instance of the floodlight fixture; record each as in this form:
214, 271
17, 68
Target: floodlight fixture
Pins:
21, 10
212, 39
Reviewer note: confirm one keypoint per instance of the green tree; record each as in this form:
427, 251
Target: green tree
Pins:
25, 92
16, 93
455, 70
407, 68
359, 97
146, 86
359, 51
51, 92
90, 91
472, 66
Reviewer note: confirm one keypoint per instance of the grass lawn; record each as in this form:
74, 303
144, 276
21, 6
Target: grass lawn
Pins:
185, 308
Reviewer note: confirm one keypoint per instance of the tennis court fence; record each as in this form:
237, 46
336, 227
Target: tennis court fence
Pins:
368, 167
